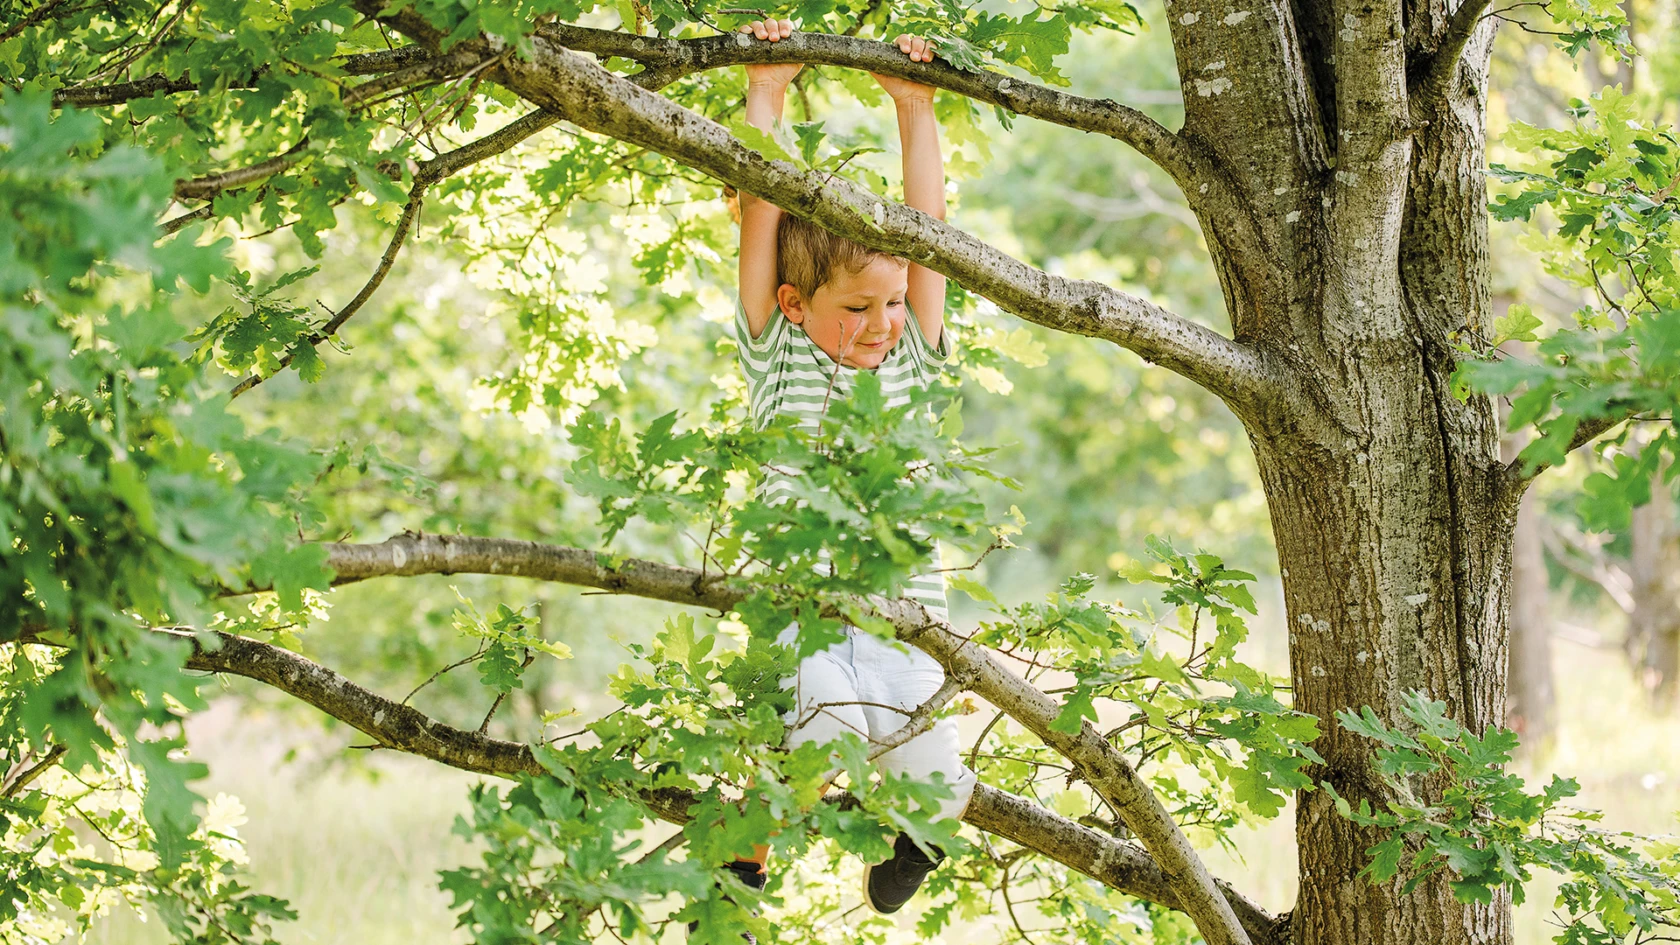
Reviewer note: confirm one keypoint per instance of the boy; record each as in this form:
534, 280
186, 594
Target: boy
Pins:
814, 310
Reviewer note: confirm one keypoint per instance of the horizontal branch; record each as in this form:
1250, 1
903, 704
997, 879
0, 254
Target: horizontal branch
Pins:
1102, 116
1194, 169
453, 63
1097, 761
393, 725
584, 93
1588, 431
98, 96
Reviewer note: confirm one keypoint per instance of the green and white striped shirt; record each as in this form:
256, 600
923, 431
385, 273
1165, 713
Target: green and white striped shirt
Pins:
788, 375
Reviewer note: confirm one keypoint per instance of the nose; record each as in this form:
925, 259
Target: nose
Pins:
876, 321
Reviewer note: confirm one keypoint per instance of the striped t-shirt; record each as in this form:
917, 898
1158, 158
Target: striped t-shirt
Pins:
788, 375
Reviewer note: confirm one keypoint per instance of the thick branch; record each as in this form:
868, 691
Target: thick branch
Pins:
1120, 865
1589, 430
1112, 862
1103, 116
1096, 760
1431, 79
584, 93
1196, 171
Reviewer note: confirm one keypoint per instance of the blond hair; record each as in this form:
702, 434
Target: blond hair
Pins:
808, 256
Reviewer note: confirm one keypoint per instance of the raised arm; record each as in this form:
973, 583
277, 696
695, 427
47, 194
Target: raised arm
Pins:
766, 90
924, 178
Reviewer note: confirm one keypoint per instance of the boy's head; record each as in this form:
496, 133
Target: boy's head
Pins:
847, 297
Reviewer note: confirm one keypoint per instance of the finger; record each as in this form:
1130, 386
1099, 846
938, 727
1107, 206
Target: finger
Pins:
745, 28
787, 28
918, 50
903, 43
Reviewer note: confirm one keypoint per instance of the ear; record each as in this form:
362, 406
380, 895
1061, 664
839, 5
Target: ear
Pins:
791, 302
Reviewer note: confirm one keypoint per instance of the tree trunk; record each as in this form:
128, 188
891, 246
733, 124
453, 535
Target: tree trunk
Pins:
1653, 634
1530, 712
1393, 512
1394, 546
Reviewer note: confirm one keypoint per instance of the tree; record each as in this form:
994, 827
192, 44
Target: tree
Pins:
1333, 156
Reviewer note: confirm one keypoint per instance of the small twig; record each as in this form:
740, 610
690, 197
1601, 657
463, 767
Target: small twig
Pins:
174, 224
123, 60
995, 545
1525, 27
484, 726
434, 677
671, 843
29, 774
921, 719
35, 16
974, 753
411, 211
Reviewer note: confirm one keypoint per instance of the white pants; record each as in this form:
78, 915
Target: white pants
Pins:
832, 692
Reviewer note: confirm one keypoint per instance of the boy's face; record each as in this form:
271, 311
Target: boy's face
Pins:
855, 317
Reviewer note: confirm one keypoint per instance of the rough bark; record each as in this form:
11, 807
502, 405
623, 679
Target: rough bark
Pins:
1392, 511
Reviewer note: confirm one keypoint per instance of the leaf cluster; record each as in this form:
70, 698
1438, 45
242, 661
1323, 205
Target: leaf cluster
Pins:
128, 494
1204, 716
1451, 807
1609, 182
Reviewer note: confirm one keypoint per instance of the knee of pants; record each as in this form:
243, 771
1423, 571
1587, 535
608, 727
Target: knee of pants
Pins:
825, 701
936, 751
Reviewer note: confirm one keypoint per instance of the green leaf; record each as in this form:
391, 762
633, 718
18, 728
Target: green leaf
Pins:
1518, 324
1076, 708
499, 668
1385, 859
971, 587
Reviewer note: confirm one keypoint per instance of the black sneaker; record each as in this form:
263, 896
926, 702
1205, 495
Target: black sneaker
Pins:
888, 886
754, 876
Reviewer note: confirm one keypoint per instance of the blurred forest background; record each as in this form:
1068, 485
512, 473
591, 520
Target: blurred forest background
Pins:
1108, 449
